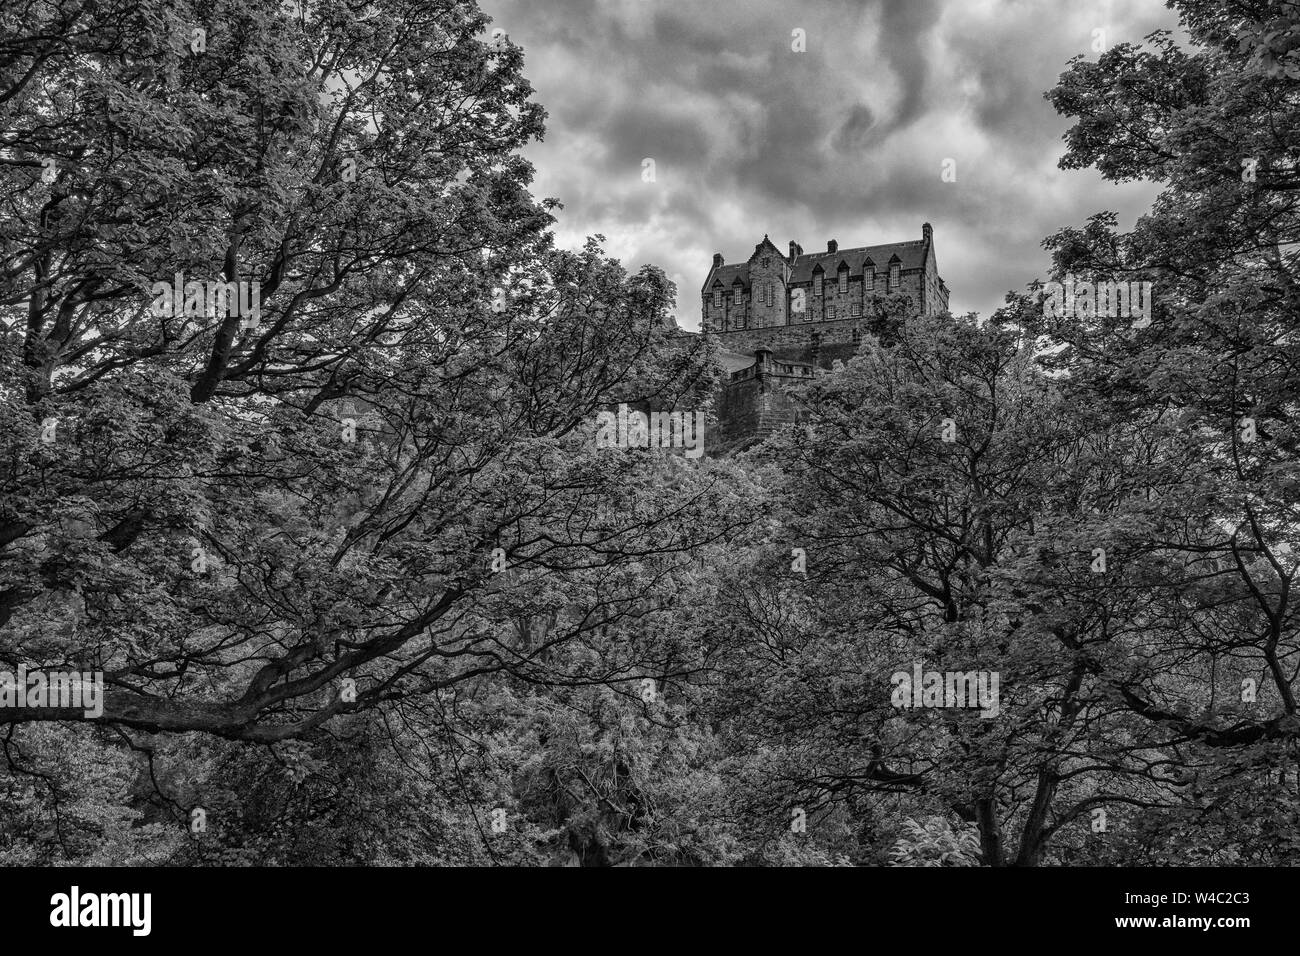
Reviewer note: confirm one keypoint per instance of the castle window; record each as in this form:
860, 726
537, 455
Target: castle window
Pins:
717, 298
855, 309
830, 312
739, 300
765, 260
844, 281
869, 278
817, 284
893, 277
769, 293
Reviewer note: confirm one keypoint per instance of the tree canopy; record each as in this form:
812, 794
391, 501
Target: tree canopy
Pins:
364, 588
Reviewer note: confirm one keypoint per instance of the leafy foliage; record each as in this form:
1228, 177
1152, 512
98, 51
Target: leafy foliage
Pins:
935, 843
470, 637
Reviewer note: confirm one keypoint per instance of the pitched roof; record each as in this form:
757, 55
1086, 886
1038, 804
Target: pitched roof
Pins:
911, 255
767, 243
727, 275
733, 360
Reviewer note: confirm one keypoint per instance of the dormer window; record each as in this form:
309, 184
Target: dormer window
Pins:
739, 299
893, 277
869, 278
717, 298
817, 284
844, 280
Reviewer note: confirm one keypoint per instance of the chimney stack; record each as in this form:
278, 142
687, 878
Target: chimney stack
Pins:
717, 260
926, 232
832, 245
796, 250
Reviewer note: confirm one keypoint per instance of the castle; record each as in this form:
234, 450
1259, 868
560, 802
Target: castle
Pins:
778, 318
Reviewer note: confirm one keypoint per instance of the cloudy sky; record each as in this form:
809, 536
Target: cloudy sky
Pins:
846, 140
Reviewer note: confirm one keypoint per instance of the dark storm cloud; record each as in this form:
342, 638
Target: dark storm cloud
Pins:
677, 32
853, 132
652, 129
904, 24
844, 140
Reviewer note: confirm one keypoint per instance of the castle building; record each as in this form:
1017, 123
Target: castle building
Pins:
780, 317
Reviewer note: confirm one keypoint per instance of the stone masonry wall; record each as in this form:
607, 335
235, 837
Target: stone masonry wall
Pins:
820, 343
753, 408
752, 312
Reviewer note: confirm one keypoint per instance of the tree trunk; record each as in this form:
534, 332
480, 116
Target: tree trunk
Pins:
986, 818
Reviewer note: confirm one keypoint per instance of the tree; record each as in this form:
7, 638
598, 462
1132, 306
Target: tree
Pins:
215, 527
1218, 368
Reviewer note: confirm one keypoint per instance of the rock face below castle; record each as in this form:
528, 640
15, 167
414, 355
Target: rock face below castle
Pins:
779, 318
